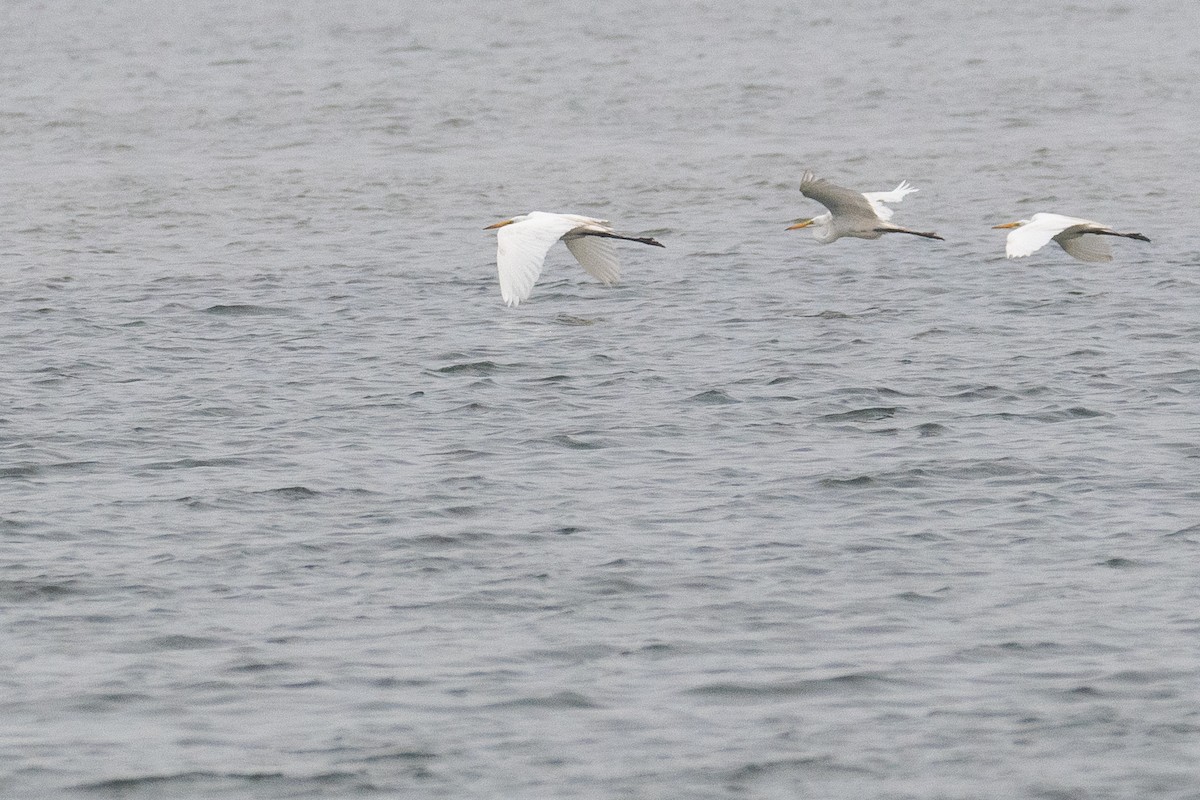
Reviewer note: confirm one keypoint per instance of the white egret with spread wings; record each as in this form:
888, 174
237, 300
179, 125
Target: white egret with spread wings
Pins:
859, 214
1081, 238
523, 241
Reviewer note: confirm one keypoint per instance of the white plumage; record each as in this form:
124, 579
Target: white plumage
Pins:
862, 215
1081, 238
523, 241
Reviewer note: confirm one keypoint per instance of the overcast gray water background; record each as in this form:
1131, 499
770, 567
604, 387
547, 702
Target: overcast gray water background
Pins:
293, 506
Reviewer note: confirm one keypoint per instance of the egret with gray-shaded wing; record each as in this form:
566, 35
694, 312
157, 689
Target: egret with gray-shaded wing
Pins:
522, 243
1081, 238
859, 214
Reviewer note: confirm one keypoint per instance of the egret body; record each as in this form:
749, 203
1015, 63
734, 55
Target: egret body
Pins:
522, 243
1081, 238
862, 215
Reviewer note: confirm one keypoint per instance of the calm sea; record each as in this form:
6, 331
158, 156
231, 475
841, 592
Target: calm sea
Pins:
291, 505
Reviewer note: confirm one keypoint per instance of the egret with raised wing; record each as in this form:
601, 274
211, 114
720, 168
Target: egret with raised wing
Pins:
859, 214
522, 243
1081, 238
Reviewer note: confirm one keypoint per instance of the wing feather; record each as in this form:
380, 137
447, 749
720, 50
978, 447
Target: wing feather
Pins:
838, 199
521, 251
598, 256
1084, 245
877, 199
1027, 240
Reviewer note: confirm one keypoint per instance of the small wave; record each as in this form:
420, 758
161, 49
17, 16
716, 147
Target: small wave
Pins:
398, 755
655, 650
261, 666
245, 310
607, 587
437, 540
463, 454
1120, 563
851, 483
1003, 650
291, 493
21, 591
577, 654
463, 511
1148, 677
556, 700
1005, 467
917, 597
714, 397
470, 368
176, 641
124, 785
567, 319
850, 682
216, 783
810, 765
986, 392
111, 701
1048, 416
191, 463
929, 429
1182, 376
571, 443
1066, 414
23, 471
871, 414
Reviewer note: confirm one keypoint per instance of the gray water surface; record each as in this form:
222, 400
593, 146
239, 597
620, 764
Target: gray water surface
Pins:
293, 506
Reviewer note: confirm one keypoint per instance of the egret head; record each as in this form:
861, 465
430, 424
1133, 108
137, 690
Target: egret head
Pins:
1016, 224
821, 227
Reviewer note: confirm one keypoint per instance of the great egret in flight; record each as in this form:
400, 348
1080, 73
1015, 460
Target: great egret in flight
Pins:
1081, 238
522, 243
852, 213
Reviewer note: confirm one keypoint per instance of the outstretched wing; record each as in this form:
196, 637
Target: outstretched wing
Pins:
1079, 242
877, 199
839, 200
521, 251
1027, 240
1037, 233
598, 256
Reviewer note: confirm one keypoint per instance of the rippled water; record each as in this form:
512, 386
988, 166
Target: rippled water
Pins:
293, 506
